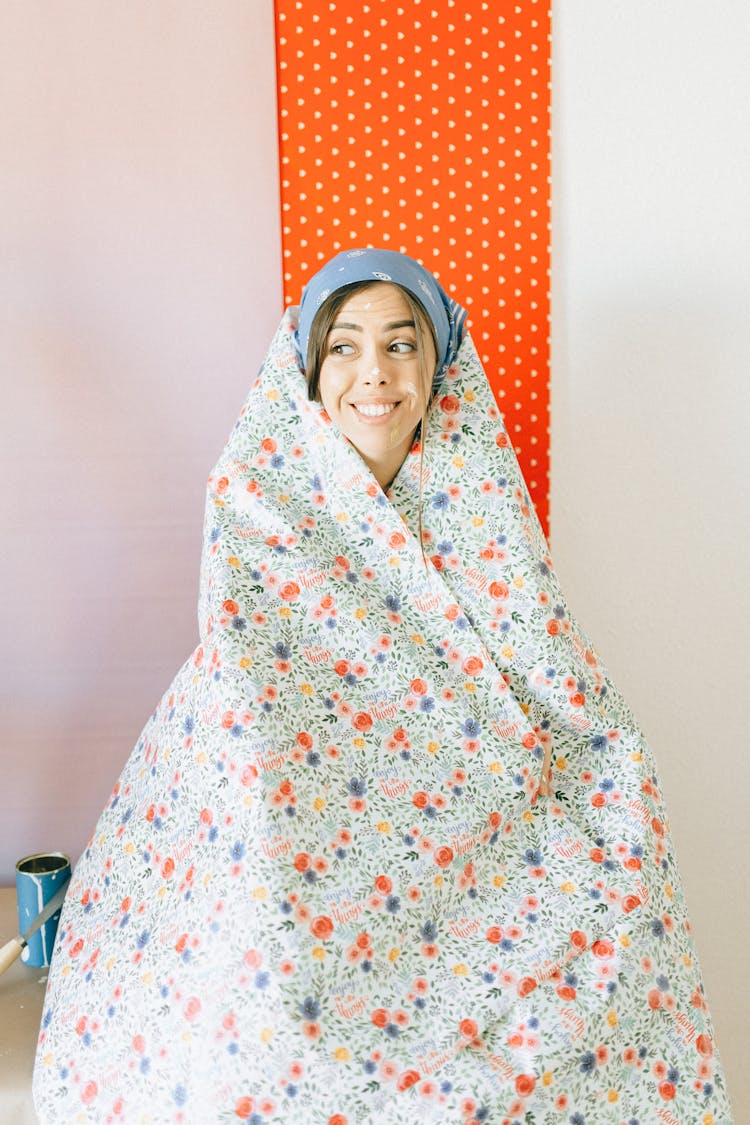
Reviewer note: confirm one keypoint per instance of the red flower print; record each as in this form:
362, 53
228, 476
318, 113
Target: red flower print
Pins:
244, 1108
89, 1092
379, 1017
289, 591
525, 1084
468, 1028
525, 986
302, 861
499, 590
362, 721
449, 404
494, 934
472, 665
704, 1046
420, 799
383, 884
603, 948
502, 441
443, 856
338, 1119
408, 1078
192, 1008
321, 927
230, 606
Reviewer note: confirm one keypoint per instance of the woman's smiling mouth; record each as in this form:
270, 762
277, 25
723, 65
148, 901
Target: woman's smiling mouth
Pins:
374, 409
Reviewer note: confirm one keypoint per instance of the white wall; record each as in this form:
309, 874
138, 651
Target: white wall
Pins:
140, 283
651, 417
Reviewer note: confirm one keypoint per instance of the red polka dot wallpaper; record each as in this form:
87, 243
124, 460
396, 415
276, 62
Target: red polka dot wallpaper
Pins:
424, 127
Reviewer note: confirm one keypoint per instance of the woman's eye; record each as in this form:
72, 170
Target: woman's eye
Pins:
341, 349
402, 347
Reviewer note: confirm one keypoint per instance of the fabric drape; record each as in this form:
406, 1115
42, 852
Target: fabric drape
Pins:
326, 888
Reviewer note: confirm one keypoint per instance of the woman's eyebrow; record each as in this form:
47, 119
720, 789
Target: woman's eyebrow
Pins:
387, 327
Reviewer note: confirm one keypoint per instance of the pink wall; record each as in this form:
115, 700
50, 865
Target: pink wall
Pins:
140, 282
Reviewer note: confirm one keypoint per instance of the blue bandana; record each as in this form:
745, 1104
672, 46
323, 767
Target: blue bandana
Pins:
351, 266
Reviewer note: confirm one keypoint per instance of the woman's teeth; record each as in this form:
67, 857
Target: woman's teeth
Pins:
374, 410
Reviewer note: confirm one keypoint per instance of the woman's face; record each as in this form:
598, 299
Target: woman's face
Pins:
370, 380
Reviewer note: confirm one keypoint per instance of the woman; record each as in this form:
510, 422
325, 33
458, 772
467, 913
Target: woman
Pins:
392, 846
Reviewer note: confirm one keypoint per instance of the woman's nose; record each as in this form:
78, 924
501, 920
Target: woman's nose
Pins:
373, 373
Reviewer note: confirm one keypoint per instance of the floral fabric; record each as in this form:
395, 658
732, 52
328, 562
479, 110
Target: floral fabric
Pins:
326, 888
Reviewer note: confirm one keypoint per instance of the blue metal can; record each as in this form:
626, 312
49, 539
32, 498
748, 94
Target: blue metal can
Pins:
37, 879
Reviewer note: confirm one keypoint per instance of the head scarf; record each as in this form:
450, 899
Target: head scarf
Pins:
351, 266
327, 888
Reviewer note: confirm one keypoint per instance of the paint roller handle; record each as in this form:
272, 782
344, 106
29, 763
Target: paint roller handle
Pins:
9, 953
